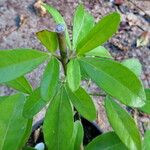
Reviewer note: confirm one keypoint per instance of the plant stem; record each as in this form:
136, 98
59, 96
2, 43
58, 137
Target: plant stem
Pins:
77, 115
60, 29
135, 116
57, 56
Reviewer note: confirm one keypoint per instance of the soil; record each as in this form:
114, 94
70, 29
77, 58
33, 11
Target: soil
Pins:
19, 22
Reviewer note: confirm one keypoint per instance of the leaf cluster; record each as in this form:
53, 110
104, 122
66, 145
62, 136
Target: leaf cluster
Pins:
83, 58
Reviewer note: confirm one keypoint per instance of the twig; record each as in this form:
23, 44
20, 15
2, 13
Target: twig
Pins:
139, 7
7, 32
119, 45
97, 94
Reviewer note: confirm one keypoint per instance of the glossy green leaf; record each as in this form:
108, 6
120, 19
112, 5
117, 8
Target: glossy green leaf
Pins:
84, 75
134, 65
146, 107
99, 51
83, 103
73, 74
50, 80
116, 80
17, 62
58, 124
83, 22
33, 104
59, 20
146, 142
26, 134
106, 141
100, 33
12, 123
77, 136
48, 39
123, 125
21, 84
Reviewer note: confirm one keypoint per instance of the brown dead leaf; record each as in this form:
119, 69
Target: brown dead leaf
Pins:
41, 11
143, 39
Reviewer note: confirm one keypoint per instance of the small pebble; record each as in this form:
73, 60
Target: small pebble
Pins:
40, 146
117, 2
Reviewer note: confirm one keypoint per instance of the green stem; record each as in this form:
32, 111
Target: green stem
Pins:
60, 29
57, 56
63, 52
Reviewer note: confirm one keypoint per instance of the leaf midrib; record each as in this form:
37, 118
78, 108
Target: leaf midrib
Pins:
91, 39
126, 129
18, 63
113, 146
79, 29
23, 86
27, 111
111, 78
59, 118
79, 101
7, 129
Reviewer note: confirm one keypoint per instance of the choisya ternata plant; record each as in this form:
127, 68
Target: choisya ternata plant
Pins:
81, 59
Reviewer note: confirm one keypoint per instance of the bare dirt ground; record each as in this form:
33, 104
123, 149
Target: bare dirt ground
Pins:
135, 21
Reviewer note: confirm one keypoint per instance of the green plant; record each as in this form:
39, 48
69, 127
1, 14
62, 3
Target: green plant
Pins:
84, 59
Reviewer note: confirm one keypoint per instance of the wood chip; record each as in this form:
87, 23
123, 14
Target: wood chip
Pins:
22, 20
37, 134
